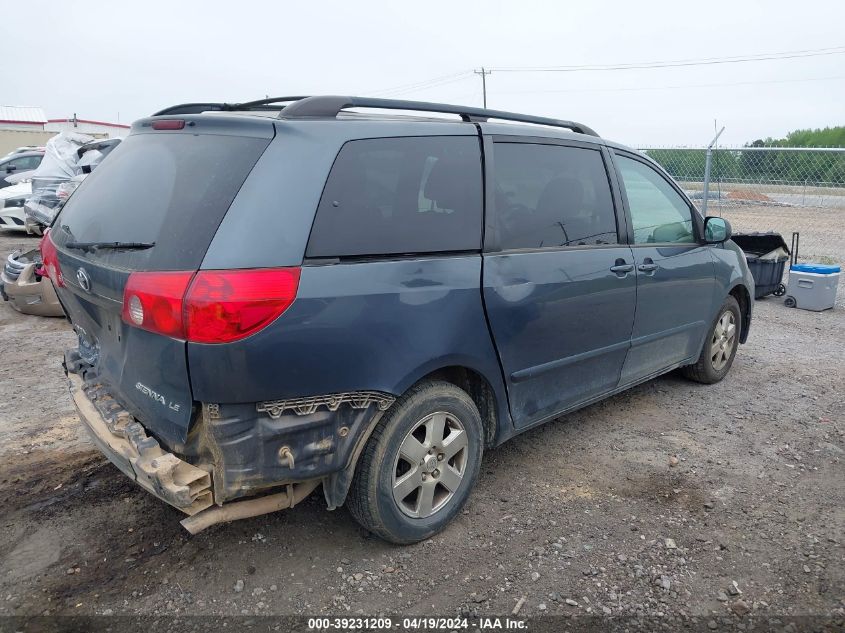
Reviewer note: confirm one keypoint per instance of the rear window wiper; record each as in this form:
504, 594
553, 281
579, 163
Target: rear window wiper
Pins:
88, 246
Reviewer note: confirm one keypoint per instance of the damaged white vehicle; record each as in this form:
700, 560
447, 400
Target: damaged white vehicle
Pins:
12, 198
58, 167
65, 166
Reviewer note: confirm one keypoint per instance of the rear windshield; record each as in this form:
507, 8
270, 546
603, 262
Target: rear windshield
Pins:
170, 189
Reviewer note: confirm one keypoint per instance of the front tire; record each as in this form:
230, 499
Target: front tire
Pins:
720, 346
419, 465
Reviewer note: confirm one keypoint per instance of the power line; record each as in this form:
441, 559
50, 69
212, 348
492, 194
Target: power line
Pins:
677, 87
427, 86
442, 80
424, 84
707, 61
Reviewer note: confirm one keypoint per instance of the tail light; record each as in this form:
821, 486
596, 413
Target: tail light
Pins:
209, 306
153, 301
224, 306
50, 260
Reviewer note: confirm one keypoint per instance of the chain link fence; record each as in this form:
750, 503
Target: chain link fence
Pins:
770, 189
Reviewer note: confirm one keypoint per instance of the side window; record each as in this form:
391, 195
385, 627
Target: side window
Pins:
401, 195
25, 163
658, 212
551, 195
31, 162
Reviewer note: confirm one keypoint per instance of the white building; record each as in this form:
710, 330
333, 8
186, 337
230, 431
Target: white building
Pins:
86, 126
22, 118
27, 125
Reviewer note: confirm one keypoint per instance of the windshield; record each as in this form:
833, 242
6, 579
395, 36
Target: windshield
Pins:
169, 189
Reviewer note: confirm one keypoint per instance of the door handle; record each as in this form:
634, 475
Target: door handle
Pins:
622, 268
648, 267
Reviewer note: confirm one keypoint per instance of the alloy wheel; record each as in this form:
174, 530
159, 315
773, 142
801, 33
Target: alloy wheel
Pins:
722, 343
430, 465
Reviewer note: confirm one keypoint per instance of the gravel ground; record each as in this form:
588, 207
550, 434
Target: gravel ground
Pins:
717, 505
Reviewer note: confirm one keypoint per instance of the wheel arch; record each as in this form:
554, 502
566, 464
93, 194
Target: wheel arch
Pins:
482, 381
488, 395
743, 298
479, 389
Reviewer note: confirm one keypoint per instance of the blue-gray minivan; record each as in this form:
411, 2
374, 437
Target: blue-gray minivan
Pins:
302, 292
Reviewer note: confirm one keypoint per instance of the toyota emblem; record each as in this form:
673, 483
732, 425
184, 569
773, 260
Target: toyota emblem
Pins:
83, 279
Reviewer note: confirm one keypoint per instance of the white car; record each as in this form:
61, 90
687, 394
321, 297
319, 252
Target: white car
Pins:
11, 205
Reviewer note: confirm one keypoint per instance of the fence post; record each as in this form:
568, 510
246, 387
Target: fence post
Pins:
707, 159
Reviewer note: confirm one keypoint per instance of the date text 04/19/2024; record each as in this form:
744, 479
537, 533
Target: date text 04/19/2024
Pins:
415, 623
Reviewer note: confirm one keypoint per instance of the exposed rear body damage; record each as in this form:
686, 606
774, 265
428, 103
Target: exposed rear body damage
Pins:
250, 450
244, 450
125, 442
171, 479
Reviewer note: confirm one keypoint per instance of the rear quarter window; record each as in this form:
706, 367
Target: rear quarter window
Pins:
394, 196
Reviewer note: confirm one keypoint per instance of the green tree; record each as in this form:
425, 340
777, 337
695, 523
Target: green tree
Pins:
755, 166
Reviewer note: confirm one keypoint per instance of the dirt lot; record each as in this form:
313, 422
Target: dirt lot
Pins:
585, 515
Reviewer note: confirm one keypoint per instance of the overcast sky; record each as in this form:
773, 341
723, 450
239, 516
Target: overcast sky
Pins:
123, 60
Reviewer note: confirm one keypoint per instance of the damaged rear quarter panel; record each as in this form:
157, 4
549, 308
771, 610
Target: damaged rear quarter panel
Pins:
365, 326
250, 450
368, 326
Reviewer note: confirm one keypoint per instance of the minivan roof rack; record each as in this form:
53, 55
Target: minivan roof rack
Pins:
197, 108
192, 108
329, 106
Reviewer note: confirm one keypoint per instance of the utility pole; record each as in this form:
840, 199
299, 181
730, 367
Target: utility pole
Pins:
483, 74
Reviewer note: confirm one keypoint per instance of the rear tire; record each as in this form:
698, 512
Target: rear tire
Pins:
720, 346
419, 465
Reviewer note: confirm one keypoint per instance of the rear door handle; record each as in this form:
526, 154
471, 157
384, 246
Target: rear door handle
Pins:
622, 268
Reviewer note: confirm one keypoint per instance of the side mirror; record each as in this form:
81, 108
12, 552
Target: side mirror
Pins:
716, 230
10, 168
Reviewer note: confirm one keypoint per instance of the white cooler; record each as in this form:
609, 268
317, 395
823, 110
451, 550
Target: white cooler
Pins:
812, 286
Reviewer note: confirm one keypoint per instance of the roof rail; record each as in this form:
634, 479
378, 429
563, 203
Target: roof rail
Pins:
330, 107
266, 103
192, 108
197, 108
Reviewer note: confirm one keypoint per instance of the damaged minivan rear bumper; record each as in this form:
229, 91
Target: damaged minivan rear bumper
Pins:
282, 450
126, 444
